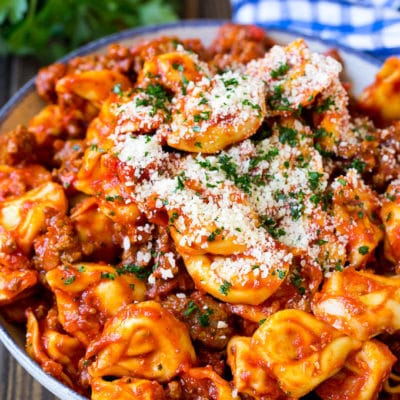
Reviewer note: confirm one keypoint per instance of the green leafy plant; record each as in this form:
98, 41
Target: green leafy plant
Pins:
48, 29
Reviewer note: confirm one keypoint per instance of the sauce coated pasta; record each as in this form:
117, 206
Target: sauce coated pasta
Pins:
191, 222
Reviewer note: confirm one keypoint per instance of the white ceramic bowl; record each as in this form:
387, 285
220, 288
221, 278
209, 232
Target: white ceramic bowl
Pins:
359, 69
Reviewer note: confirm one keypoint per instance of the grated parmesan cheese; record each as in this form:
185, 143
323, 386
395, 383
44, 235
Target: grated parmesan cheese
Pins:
126, 243
273, 181
222, 325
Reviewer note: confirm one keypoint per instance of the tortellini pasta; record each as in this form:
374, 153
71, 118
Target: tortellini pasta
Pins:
382, 96
94, 86
86, 291
14, 283
300, 350
24, 215
355, 208
362, 376
359, 303
250, 375
152, 344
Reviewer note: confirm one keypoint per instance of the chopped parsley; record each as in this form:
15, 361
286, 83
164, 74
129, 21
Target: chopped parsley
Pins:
326, 105
157, 98
271, 225
363, 250
243, 181
324, 153
263, 133
322, 198
268, 156
207, 164
178, 67
254, 106
314, 179
296, 204
288, 135
142, 102
202, 116
281, 273
204, 319
230, 82
140, 272
277, 101
322, 133
230, 168
296, 211
113, 197
391, 197
296, 281
70, 280
203, 101
181, 178
192, 307
358, 165
107, 275
174, 217
225, 287
338, 267
281, 70
279, 196
213, 235
95, 147
303, 162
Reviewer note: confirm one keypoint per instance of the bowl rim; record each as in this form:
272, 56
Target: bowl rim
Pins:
46, 380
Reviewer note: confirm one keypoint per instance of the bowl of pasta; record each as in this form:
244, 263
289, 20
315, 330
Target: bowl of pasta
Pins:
204, 210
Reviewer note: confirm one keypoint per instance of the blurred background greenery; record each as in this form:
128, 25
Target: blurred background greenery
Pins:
48, 29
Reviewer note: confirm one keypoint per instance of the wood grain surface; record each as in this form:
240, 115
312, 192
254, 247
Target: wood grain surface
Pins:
15, 382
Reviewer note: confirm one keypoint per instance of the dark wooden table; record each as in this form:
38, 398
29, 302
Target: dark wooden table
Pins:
15, 382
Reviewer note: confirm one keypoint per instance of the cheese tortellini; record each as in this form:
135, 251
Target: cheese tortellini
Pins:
299, 351
359, 303
25, 216
152, 344
362, 376
86, 289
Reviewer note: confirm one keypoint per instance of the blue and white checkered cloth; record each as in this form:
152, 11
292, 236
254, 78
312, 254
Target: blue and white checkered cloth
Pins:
371, 26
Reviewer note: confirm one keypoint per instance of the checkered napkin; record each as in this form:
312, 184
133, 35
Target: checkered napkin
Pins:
371, 26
